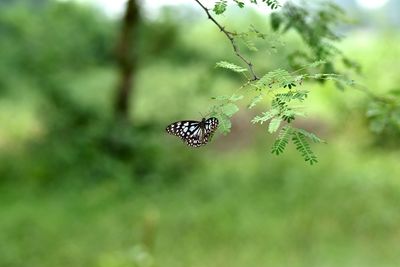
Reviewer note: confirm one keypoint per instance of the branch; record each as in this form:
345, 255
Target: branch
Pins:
231, 38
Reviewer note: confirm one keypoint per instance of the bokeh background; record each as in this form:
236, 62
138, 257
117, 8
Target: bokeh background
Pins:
80, 186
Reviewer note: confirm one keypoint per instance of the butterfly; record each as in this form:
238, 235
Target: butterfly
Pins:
194, 133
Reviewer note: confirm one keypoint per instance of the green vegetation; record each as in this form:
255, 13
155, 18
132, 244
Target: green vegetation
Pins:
79, 187
315, 24
343, 211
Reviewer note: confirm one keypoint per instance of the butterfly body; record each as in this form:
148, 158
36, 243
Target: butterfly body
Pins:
194, 133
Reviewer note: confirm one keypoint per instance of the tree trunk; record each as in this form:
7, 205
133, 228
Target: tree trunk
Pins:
126, 56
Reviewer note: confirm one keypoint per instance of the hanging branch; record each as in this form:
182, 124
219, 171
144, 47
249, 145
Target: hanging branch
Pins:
280, 84
231, 38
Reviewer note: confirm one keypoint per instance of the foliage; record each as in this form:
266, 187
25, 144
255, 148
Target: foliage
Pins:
57, 64
316, 62
225, 110
220, 6
282, 140
383, 114
230, 66
42, 49
315, 24
303, 147
283, 88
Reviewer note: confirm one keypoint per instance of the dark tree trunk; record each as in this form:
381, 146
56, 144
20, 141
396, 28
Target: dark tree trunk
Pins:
126, 55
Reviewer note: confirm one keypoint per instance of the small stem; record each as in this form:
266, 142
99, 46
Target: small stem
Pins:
230, 36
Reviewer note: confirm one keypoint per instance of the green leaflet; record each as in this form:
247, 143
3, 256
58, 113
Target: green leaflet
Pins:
281, 142
274, 124
273, 4
230, 66
225, 124
239, 3
230, 109
303, 147
225, 111
235, 98
279, 76
300, 95
299, 139
255, 101
310, 136
248, 42
232, 98
220, 7
265, 116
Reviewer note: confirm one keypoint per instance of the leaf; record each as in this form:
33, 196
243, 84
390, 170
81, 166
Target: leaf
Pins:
232, 98
303, 147
273, 4
255, 101
274, 124
220, 7
289, 115
279, 76
311, 136
299, 95
235, 98
230, 109
257, 33
220, 97
239, 3
225, 124
230, 66
281, 142
265, 116
249, 43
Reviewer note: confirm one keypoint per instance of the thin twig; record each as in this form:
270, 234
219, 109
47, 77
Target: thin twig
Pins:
231, 38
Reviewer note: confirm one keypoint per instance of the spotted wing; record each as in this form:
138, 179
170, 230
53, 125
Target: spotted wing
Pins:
188, 131
210, 127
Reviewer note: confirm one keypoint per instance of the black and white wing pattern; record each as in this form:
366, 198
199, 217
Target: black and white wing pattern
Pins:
194, 133
210, 126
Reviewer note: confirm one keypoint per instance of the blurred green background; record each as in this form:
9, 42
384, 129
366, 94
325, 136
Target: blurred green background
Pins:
79, 187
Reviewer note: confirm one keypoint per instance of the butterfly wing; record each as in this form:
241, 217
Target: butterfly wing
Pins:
210, 127
195, 140
188, 131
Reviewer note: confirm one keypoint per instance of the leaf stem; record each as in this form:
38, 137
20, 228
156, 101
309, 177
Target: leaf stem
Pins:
230, 36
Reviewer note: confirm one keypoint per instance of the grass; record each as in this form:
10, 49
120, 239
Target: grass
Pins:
343, 212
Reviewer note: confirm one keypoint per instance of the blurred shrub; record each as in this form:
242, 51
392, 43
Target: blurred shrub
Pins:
51, 38
47, 47
384, 119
